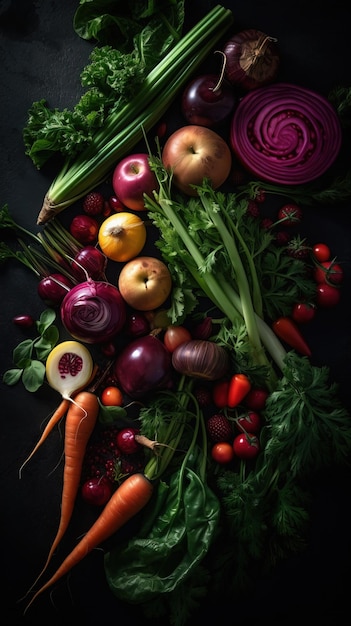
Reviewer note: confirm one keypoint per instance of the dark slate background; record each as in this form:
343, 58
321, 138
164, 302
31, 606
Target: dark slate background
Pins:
42, 57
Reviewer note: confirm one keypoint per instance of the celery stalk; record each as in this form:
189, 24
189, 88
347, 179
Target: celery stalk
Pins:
126, 126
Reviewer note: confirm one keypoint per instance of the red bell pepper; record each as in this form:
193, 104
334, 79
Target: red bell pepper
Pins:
286, 329
239, 387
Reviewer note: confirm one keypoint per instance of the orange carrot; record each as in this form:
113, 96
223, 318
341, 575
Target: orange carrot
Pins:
54, 419
80, 422
130, 497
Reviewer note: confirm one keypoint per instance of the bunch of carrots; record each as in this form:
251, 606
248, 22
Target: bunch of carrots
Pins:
81, 414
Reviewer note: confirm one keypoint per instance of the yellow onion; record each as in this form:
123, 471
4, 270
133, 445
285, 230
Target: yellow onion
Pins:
200, 358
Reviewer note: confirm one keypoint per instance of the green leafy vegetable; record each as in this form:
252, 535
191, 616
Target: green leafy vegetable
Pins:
175, 536
137, 35
131, 25
30, 355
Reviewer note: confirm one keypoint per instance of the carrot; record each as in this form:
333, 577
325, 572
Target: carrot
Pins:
54, 419
130, 497
80, 422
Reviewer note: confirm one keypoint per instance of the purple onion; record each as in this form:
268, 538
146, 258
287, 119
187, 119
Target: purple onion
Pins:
285, 134
93, 312
144, 365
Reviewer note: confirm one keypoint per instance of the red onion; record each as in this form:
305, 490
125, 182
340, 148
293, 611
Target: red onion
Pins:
200, 358
93, 312
285, 134
252, 59
144, 365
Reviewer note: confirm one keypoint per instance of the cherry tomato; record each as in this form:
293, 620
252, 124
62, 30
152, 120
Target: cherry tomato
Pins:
303, 312
246, 446
220, 393
256, 399
329, 272
249, 422
222, 452
327, 296
174, 336
321, 252
111, 396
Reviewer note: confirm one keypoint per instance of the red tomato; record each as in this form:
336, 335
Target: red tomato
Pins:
303, 312
246, 446
220, 393
249, 422
321, 252
256, 399
174, 336
327, 296
329, 272
222, 452
111, 396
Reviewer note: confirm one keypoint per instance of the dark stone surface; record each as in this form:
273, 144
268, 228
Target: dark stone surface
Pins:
42, 57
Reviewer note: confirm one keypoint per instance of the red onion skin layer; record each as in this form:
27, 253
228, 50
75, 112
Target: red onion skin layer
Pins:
252, 59
285, 134
93, 312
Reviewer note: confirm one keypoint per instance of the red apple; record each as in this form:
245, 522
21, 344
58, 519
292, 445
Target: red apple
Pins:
194, 153
132, 177
145, 283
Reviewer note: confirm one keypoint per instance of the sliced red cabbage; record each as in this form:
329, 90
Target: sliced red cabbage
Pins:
285, 134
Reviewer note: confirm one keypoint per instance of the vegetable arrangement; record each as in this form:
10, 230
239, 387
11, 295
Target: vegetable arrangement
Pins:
124, 126
227, 418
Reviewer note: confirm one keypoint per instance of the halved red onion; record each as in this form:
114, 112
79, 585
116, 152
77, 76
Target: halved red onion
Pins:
93, 312
285, 134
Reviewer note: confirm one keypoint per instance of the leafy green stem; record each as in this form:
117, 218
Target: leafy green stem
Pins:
212, 208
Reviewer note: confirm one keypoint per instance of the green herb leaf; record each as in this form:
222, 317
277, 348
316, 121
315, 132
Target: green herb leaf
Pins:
113, 415
32, 370
23, 352
11, 377
33, 376
47, 317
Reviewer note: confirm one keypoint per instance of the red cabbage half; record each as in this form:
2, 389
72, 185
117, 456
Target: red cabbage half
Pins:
285, 134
